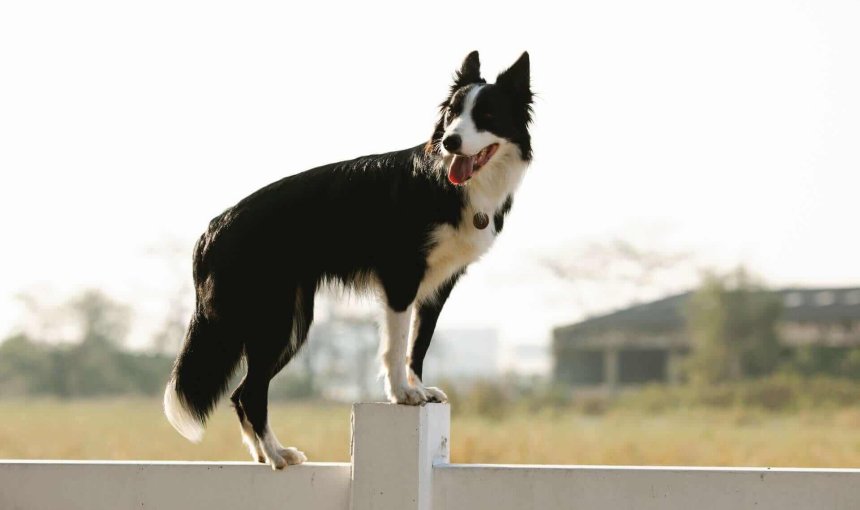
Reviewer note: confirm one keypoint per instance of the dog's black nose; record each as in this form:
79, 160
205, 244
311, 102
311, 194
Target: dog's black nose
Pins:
452, 143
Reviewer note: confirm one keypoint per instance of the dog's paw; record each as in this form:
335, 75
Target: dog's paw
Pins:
293, 456
277, 462
286, 457
405, 394
436, 395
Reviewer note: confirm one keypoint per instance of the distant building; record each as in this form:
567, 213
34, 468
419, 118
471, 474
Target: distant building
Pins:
645, 343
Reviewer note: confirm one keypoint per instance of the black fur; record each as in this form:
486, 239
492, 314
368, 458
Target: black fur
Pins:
499, 217
259, 264
429, 314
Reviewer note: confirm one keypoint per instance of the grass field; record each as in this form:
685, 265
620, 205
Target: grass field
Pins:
136, 429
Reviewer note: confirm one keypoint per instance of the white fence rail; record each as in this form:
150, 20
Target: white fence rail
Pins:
400, 462
170, 486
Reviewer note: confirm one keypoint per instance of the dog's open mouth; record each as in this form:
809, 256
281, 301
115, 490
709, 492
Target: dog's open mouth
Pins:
462, 167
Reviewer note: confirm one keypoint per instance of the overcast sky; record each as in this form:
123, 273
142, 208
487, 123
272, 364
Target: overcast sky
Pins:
726, 129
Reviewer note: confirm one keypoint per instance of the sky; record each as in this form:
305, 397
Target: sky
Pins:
726, 130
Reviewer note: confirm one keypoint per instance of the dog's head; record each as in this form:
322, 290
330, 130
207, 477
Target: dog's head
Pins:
479, 120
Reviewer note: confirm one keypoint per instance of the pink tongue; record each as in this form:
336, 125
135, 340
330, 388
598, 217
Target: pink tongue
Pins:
461, 169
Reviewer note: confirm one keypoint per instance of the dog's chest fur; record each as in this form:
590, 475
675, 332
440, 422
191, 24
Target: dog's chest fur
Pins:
454, 248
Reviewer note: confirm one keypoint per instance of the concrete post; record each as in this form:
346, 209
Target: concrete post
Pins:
394, 448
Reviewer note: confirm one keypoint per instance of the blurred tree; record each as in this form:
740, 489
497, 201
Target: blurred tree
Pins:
103, 321
732, 323
85, 358
92, 367
850, 364
812, 360
25, 366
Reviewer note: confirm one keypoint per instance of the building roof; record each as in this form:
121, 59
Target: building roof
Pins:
667, 314
662, 315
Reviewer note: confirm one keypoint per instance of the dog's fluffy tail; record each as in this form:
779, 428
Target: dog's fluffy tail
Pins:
200, 376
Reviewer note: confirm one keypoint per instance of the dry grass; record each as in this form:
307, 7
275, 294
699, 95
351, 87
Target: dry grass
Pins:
694, 438
135, 429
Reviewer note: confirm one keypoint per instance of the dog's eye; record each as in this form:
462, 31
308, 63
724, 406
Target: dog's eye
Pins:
487, 116
448, 116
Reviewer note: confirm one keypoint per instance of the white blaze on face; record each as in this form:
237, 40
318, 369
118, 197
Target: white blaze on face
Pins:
464, 125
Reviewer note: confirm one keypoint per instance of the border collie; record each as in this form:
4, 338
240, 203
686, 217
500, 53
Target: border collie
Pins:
403, 224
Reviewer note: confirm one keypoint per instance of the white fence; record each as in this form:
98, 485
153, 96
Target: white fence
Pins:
400, 462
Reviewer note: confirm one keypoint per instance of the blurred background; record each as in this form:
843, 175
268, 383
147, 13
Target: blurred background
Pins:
678, 281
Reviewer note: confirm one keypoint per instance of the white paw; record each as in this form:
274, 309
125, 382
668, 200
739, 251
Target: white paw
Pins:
405, 394
293, 456
434, 394
276, 461
286, 457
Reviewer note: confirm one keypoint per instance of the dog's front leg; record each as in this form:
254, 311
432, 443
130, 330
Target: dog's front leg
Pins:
395, 345
423, 324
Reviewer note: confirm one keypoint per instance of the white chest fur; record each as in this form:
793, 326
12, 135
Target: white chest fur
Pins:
454, 248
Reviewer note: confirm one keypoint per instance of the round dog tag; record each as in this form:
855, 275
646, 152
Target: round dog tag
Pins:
481, 220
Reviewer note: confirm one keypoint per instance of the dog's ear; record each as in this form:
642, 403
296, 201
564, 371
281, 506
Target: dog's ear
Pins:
516, 78
470, 71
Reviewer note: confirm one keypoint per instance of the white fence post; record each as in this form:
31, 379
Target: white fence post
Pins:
394, 448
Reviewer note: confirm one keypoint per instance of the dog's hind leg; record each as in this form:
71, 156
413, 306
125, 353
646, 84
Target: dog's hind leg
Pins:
276, 341
248, 435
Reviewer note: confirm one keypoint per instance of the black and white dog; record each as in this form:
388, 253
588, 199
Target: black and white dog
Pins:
403, 224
